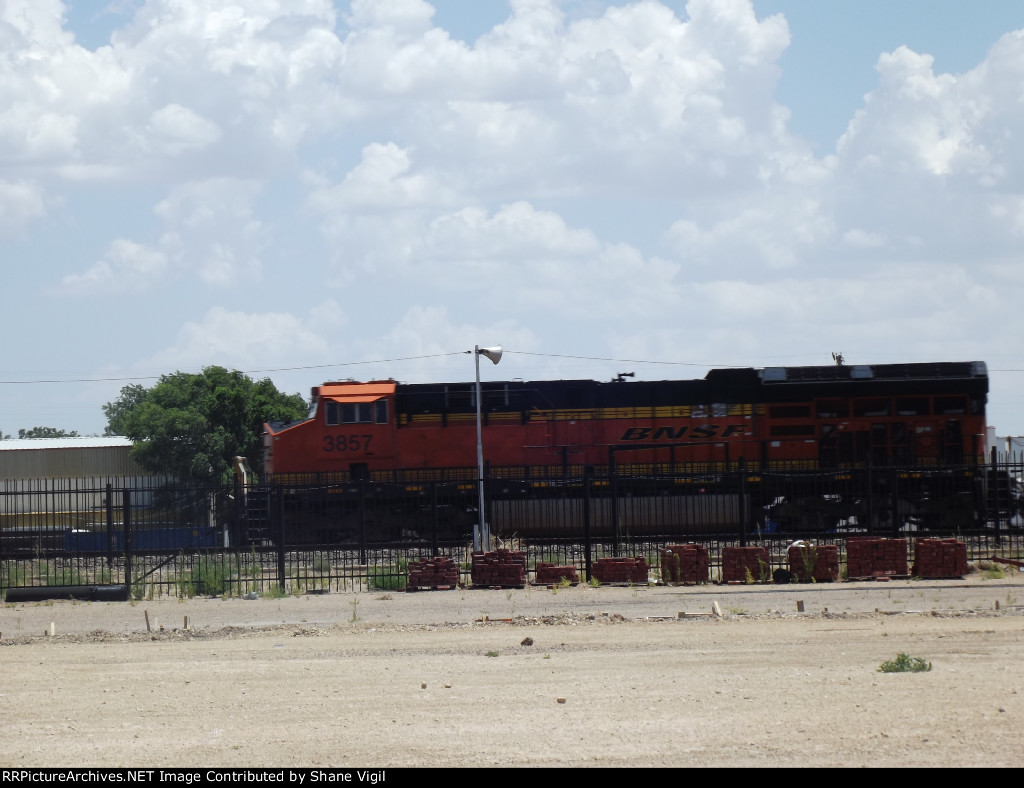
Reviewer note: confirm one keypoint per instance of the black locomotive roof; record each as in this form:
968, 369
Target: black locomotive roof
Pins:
727, 385
927, 371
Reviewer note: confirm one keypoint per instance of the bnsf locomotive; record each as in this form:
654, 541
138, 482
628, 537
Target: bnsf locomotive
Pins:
829, 416
817, 418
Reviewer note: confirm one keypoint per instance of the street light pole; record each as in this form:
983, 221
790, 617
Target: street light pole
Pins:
481, 532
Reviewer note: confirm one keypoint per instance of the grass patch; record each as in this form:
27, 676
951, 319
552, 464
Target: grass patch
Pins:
904, 663
206, 577
390, 577
65, 577
992, 571
12, 576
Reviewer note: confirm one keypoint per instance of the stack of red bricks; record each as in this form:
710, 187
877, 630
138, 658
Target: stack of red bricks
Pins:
685, 563
553, 574
439, 572
621, 570
940, 558
870, 557
502, 568
817, 563
740, 564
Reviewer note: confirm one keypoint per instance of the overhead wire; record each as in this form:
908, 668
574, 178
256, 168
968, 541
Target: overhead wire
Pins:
401, 359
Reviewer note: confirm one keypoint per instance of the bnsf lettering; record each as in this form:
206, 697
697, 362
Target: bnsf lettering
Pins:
347, 443
703, 432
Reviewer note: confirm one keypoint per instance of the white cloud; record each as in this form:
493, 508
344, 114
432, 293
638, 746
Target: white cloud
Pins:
21, 203
618, 181
127, 266
210, 228
243, 340
175, 128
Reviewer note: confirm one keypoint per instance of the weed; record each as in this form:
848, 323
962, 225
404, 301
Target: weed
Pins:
390, 577
276, 592
65, 577
994, 572
12, 576
253, 568
547, 656
748, 578
673, 570
809, 554
355, 608
207, 577
322, 564
737, 611
905, 664
491, 654
593, 582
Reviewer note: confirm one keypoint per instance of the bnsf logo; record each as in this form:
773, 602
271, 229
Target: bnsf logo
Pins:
704, 432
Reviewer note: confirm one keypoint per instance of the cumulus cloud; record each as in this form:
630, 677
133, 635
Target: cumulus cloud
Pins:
125, 267
21, 203
245, 340
618, 175
210, 228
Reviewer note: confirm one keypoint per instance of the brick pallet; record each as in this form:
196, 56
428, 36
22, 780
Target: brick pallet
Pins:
621, 570
741, 563
868, 558
435, 573
688, 563
552, 574
502, 569
938, 559
817, 563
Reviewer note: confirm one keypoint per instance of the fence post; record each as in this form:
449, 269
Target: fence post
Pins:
126, 507
435, 551
894, 497
362, 521
281, 535
613, 509
744, 508
588, 472
110, 524
870, 504
994, 497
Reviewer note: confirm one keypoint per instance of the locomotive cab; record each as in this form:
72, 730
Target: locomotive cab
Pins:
349, 432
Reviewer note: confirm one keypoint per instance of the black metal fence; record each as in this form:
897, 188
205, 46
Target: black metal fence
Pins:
352, 535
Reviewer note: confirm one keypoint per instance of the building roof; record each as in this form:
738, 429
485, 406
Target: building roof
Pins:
82, 442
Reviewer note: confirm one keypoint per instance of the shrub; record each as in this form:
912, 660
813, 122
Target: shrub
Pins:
905, 664
390, 577
207, 577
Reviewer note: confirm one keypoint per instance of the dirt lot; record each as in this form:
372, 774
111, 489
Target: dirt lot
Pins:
531, 677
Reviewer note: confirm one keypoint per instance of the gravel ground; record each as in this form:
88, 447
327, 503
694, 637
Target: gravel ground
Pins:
610, 676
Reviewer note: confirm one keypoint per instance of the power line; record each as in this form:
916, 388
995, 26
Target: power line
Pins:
400, 359
628, 360
244, 371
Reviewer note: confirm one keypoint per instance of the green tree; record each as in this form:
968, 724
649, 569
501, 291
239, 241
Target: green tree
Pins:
192, 426
117, 411
46, 432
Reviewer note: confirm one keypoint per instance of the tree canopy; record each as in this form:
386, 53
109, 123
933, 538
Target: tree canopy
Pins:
192, 426
46, 432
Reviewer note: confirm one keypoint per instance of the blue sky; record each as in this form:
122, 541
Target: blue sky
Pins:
294, 188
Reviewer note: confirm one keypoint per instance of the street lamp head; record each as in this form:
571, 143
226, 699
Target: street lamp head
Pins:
493, 353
